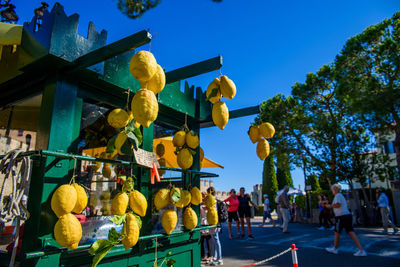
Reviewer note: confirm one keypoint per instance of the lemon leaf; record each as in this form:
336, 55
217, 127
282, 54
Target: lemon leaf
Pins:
133, 140
176, 195
113, 235
126, 148
138, 220
102, 251
131, 126
110, 145
128, 185
214, 93
118, 219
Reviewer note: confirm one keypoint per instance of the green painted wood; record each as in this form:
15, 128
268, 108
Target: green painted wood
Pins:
121, 46
194, 69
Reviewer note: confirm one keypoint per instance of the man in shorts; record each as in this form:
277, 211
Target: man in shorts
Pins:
343, 221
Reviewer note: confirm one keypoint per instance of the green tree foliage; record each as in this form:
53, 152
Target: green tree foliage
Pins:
283, 171
270, 184
313, 181
368, 74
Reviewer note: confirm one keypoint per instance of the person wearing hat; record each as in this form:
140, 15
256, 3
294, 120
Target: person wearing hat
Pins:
383, 206
267, 211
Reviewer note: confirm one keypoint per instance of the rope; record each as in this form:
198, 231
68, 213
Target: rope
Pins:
269, 259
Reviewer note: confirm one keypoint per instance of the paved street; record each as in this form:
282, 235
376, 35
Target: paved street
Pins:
383, 250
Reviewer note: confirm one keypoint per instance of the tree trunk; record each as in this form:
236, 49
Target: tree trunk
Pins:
397, 144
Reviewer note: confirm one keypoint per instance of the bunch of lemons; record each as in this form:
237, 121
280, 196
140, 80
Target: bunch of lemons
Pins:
258, 134
186, 142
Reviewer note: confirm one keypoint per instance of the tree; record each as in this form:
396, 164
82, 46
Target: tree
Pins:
368, 73
283, 171
313, 181
270, 184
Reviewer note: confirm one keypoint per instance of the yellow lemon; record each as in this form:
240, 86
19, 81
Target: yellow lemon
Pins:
228, 88
185, 199
212, 216
169, 219
220, 114
263, 149
82, 199
144, 107
267, 130
162, 163
138, 203
189, 218
143, 66
131, 231
157, 82
119, 204
179, 139
106, 170
118, 118
210, 201
254, 134
201, 154
63, 200
185, 159
161, 200
214, 85
196, 196
192, 140
68, 231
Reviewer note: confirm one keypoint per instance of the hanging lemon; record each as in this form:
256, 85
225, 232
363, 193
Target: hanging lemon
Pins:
220, 114
185, 159
144, 107
63, 200
179, 139
228, 88
254, 134
213, 88
143, 66
157, 82
192, 140
263, 149
267, 130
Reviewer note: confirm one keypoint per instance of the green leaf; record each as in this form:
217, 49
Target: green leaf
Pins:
97, 245
133, 140
176, 195
131, 126
139, 135
192, 151
128, 185
214, 93
170, 262
113, 235
101, 253
110, 145
126, 148
118, 219
139, 221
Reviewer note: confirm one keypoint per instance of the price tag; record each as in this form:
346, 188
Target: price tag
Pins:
145, 158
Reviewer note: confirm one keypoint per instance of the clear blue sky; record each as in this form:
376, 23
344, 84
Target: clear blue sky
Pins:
267, 46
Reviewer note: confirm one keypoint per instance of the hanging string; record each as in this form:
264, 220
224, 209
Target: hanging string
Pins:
127, 99
185, 125
73, 173
150, 40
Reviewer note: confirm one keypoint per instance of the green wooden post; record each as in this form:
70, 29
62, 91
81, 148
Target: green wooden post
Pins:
145, 186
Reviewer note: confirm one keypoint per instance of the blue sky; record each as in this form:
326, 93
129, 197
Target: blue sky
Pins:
267, 46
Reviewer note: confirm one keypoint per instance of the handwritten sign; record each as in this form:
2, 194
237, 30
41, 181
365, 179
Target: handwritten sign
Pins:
145, 158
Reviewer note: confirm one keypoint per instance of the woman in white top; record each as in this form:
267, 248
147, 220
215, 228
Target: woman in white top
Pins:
343, 220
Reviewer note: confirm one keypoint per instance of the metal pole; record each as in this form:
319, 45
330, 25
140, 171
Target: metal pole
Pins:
294, 256
16, 240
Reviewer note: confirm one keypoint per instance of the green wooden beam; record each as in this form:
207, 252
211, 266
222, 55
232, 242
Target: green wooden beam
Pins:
194, 69
121, 46
237, 113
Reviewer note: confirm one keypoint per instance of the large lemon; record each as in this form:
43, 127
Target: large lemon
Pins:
179, 139
162, 163
263, 149
118, 118
185, 199
143, 66
185, 159
169, 220
189, 218
68, 231
161, 200
131, 231
144, 107
138, 203
228, 88
212, 216
220, 114
210, 201
157, 82
196, 196
120, 141
254, 134
214, 85
267, 130
63, 200
192, 140
82, 199
119, 204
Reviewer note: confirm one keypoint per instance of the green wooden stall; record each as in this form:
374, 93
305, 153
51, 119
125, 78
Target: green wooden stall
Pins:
62, 75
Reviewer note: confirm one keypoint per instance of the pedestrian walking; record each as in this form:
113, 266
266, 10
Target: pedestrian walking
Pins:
217, 258
284, 208
384, 208
343, 220
233, 208
267, 211
244, 211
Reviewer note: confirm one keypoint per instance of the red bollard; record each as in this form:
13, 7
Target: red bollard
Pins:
294, 255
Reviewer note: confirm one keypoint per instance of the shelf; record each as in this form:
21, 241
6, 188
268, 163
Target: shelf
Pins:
120, 247
63, 155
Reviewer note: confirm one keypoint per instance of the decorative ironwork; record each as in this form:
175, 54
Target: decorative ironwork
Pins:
8, 13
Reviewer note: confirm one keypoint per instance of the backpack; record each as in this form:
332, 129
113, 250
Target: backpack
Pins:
222, 209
